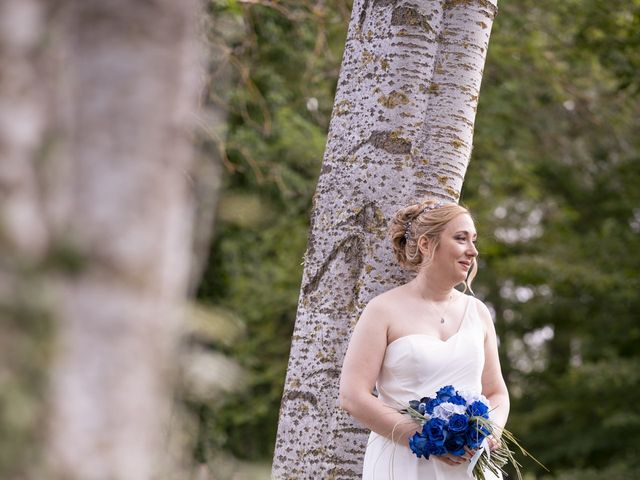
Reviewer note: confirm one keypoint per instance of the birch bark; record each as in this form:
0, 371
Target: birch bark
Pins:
401, 129
95, 154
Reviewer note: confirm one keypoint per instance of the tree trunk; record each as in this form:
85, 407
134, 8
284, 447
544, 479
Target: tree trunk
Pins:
25, 325
401, 129
96, 204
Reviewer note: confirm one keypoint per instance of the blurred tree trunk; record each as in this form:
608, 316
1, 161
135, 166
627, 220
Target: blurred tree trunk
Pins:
97, 98
401, 129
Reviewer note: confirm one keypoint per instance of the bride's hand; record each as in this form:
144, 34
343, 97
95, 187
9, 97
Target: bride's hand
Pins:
494, 443
454, 460
449, 459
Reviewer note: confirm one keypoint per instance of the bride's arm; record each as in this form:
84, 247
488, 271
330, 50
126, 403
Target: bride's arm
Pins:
493, 384
360, 370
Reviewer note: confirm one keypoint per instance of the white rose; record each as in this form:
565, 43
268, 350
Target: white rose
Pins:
446, 409
471, 396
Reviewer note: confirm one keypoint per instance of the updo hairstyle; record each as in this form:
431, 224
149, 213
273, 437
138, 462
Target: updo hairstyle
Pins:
427, 219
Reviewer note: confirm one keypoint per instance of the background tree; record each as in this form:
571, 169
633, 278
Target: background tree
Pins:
95, 232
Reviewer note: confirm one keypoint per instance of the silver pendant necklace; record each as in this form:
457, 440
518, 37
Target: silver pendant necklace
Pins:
442, 312
445, 309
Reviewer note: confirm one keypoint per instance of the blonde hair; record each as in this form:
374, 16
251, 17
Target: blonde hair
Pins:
426, 219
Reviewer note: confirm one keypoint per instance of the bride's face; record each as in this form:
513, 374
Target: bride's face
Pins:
456, 252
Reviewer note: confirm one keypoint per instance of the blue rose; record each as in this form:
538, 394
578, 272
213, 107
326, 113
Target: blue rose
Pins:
455, 444
431, 404
458, 423
478, 409
418, 445
474, 441
476, 434
436, 448
445, 393
457, 400
422, 406
434, 430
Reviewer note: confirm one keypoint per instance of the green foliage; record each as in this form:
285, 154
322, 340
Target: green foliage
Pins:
554, 183
279, 111
553, 186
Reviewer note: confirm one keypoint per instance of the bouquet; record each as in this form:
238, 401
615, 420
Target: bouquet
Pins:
455, 419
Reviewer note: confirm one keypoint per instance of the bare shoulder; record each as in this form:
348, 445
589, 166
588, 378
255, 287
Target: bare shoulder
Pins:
389, 299
383, 305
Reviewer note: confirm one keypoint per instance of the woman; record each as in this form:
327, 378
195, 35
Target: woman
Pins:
416, 338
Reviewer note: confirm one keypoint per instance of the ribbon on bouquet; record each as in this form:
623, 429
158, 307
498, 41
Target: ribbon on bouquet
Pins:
476, 456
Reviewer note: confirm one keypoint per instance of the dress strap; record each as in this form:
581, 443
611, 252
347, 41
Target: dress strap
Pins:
465, 314
472, 311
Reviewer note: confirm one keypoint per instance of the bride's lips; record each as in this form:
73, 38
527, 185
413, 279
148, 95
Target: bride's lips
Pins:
465, 264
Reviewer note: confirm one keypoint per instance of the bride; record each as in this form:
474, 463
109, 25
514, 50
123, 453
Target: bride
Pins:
416, 338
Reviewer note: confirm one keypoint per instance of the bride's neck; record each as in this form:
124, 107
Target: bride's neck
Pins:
432, 289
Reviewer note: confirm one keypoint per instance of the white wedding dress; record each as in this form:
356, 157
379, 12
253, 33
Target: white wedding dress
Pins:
416, 366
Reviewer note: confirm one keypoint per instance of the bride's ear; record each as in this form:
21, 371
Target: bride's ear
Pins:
424, 246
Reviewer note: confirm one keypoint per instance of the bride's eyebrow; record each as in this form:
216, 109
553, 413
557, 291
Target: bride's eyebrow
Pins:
466, 232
